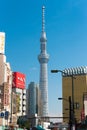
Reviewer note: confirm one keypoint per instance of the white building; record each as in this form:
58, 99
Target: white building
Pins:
5, 83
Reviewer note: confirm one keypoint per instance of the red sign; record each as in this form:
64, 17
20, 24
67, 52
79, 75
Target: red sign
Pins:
18, 80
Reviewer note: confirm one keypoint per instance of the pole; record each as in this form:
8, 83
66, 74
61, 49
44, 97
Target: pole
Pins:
70, 110
73, 117
11, 108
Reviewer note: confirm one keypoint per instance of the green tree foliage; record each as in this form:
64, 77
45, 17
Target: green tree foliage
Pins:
23, 123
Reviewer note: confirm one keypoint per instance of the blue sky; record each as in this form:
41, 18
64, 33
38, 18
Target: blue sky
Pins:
66, 29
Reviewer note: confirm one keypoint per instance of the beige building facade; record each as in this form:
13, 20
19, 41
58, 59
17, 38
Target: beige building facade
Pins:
79, 88
5, 89
5, 85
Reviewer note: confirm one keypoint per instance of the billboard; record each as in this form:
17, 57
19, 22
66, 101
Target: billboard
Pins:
18, 80
2, 42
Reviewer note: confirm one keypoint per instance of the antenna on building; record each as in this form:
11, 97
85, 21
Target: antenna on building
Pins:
43, 18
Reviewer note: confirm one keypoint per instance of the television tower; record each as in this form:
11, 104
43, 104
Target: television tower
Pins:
43, 60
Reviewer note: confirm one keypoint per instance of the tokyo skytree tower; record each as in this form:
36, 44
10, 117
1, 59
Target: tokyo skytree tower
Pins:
43, 60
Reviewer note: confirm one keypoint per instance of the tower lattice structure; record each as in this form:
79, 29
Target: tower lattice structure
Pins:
43, 60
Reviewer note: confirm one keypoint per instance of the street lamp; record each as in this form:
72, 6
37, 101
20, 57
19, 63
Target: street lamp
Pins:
63, 99
72, 77
70, 109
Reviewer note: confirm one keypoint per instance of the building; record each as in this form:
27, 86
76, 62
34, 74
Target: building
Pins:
33, 101
43, 60
79, 89
85, 104
5, 83
33, 95
18, 96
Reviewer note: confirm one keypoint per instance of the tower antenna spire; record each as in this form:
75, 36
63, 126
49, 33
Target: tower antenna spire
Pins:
43, 18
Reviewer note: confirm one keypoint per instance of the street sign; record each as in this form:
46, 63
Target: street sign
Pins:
2, 114
6, 114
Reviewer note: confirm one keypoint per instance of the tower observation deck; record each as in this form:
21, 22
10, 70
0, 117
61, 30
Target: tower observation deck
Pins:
43, 60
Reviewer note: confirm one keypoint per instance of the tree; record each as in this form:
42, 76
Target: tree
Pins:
23, 122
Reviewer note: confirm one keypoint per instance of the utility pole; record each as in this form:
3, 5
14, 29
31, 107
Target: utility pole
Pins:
70, 115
